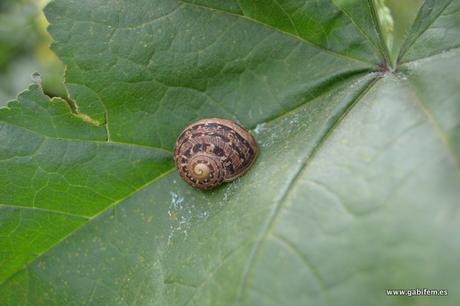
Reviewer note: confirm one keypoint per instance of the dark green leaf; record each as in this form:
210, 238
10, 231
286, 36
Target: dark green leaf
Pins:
355, 191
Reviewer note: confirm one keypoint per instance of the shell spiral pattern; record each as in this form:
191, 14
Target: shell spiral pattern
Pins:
212, 151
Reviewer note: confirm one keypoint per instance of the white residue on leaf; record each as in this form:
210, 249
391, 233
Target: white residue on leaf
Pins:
204, 215
360, 82
183, 216
266, 137
443, 55
401, 76
448, 53
178, 216
270, 139
294, 120
176, 200
355, 84
413, 65
231, 187
260, 128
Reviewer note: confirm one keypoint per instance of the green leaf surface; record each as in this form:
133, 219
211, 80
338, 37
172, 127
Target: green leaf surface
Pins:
436, 29
355, 190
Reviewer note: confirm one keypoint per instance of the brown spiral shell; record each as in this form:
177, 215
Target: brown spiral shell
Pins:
212, 151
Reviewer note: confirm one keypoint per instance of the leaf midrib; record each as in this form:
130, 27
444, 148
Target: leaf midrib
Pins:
267, 226
360, 30
431, 118
406, 44
200, 6
420, 59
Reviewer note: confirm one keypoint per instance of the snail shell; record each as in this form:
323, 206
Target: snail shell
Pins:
212, 151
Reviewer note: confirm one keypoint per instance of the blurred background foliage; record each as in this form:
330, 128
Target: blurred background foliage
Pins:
24, 43
24, 49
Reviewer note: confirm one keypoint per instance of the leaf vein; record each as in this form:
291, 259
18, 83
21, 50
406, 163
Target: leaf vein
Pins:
114, 204
308, 42
406, 45
45, 210
431, 118
267, 226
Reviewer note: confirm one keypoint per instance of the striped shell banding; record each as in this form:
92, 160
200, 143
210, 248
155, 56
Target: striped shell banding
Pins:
212, 151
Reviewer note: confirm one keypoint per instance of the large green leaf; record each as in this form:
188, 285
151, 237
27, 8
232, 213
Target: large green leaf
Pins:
356, 189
